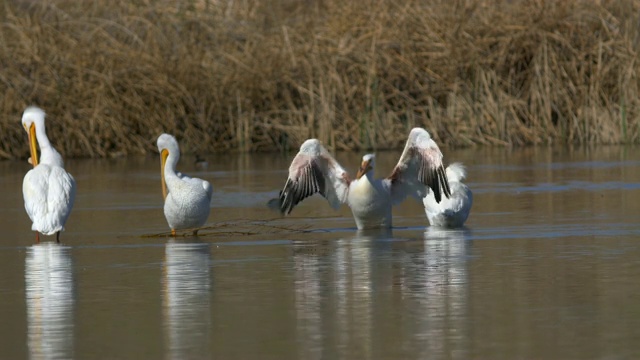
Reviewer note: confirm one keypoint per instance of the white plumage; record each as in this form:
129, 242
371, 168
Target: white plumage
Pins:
187, 201
453, 211
48, 190
314, 170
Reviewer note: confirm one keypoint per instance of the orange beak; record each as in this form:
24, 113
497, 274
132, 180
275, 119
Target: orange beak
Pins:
364, 168
164, 154
33, 146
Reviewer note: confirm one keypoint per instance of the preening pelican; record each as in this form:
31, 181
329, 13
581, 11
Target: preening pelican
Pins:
454, 211
314, 170
187, 201
48, 190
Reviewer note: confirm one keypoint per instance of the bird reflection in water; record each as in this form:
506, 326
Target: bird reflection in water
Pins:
436, 283
353, 291
333, 295
186, 300
49, 292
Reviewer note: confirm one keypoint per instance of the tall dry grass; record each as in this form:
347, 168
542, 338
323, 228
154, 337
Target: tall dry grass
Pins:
264, 75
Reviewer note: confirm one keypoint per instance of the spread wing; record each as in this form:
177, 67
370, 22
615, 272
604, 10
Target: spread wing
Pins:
313, 170
461, 196
454, 211
420, 166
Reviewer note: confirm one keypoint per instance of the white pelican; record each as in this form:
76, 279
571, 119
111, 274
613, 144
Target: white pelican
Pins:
187, 201
314, 170
48, 189
454, 211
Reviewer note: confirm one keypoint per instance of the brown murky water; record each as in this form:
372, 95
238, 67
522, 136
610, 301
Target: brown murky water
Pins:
548, 267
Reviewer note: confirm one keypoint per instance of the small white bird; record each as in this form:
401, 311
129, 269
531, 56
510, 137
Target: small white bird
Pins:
48, 190
314, 170
187, 201
454, 211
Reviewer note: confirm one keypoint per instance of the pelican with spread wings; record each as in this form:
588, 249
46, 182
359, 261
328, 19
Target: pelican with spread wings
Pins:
314, 170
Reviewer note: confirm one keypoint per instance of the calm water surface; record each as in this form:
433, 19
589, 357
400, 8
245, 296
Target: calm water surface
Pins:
548, 266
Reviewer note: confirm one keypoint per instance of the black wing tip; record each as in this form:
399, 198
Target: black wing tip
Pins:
287, 201
442, 184
445, 181
295, 191
439, 183
437, 195
289, 197
276, 205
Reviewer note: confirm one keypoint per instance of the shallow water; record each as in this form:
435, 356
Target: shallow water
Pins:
547, 267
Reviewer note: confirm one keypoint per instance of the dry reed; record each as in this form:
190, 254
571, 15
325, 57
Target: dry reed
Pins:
264, 75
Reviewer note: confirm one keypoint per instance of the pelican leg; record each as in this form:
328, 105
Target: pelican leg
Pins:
173, 232
37, 237
58, 237
195, 232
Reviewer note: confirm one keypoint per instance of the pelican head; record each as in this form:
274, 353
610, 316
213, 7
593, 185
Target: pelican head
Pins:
32, 119
169, 143
368, 162
168, 146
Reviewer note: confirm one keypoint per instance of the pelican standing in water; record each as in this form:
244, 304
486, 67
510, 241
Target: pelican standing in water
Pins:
187, 201
454, 211
314, 170
48, 190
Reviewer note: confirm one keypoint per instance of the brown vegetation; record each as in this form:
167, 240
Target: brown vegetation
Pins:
264, 75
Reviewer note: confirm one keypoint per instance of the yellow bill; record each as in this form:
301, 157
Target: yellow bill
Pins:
33, 146
163, 159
